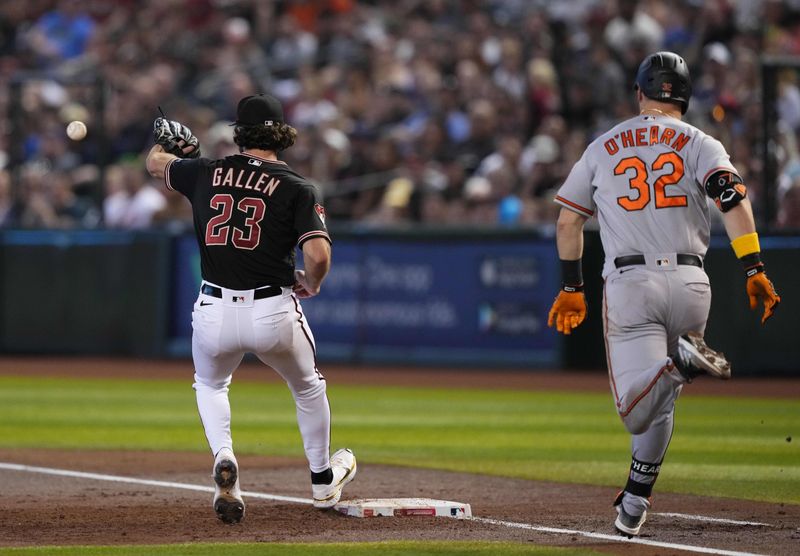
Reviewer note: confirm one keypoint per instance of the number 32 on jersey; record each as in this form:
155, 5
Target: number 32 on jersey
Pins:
637, 172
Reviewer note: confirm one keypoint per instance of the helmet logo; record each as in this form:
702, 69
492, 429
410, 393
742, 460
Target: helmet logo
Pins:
666, 87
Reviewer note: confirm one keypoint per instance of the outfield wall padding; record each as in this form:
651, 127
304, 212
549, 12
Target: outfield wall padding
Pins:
78, 292
450, 297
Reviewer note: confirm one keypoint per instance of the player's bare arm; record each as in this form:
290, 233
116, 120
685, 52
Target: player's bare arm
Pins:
569, 235
569, 308
741, 229
157, 161
739, 220
317, 262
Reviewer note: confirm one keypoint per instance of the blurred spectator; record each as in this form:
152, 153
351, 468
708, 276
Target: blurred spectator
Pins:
789, 99
444, 111
394, 206
61, 34
713, 89
71, 210
633, 29
176, 215
37, 207
291, 47
482, 134
507, 156
8, 207
509, 75
789, 208
116, 197
132, 202
480, 207
543, 94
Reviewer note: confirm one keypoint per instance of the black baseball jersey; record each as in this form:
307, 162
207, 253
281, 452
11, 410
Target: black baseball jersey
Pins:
249, 214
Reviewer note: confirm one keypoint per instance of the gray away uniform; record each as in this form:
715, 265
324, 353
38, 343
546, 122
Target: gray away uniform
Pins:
644, 181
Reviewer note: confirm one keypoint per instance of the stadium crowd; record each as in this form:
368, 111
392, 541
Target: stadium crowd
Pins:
461, 112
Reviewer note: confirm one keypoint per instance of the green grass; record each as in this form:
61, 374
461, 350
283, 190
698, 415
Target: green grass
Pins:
733, 447
393, 548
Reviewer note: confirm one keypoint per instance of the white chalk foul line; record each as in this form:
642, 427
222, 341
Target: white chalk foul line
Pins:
486, 520
614, 538
148, 482
712, 519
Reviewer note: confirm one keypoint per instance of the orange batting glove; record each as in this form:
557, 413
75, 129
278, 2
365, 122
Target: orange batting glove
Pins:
568, 310
759, 287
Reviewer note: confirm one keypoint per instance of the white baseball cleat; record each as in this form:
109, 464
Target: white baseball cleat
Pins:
343, 467
228, 503
696, 358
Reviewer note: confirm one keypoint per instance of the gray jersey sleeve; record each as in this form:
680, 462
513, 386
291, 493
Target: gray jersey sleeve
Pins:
576, 192
711, 156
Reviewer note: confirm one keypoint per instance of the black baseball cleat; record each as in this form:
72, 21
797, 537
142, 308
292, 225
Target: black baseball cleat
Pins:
695, 358
228, 503
229, 510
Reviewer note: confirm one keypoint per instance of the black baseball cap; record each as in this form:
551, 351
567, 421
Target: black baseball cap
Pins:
262, 109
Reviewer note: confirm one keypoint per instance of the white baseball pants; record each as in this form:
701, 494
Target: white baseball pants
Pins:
275, 330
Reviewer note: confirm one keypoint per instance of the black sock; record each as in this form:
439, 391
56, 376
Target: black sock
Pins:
322, 478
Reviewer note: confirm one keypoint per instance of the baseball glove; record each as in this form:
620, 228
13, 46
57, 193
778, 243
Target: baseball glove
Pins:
759, 287
169, 134
568, 311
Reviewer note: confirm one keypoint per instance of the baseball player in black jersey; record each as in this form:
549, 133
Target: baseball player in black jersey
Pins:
250, 211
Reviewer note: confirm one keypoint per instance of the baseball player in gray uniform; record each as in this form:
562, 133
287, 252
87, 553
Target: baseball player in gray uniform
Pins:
647, 180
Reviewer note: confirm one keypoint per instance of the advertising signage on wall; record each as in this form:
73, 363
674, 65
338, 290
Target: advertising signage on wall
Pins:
463, 301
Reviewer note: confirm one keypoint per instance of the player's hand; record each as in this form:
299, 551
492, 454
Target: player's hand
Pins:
175, 138
301, 288
568, 311
188, 150
759, 288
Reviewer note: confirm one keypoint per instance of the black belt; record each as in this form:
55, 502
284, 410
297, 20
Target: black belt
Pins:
683, 258
261, 293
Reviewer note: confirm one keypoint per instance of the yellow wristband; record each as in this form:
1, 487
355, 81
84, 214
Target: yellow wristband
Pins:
746, 245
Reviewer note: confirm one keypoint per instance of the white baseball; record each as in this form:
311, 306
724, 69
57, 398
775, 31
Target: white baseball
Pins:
76, 130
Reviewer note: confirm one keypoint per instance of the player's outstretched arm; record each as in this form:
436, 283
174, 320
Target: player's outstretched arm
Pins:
741, 228
317, 263
569, 308
157, 161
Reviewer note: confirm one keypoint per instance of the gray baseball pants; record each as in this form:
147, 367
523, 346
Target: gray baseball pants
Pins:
646, 309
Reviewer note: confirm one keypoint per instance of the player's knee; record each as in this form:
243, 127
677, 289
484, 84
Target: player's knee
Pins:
636, 423
311, 391
206, 383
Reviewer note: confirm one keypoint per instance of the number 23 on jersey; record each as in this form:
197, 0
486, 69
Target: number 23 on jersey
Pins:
218, 231
637, 172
